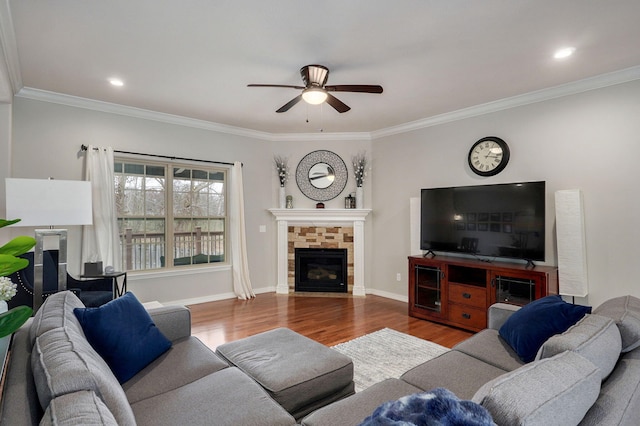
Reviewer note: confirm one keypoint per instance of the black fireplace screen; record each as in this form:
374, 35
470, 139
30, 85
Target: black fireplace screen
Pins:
323, 270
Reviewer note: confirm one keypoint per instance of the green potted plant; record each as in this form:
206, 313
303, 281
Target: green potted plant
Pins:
12, 319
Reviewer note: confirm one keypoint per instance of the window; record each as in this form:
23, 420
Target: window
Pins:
169, 214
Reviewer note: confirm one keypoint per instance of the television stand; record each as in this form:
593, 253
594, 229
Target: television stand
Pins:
458, 291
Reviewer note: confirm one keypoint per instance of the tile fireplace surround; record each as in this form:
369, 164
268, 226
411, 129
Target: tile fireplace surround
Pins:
320, 218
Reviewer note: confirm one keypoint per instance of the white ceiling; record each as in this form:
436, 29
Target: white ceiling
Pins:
194, 58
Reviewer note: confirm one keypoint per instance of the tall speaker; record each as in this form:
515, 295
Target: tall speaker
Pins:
572, 247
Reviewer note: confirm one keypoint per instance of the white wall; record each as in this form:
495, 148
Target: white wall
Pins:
589, 141
46, 142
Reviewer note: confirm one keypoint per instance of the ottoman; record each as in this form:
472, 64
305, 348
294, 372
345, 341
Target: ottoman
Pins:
300, 374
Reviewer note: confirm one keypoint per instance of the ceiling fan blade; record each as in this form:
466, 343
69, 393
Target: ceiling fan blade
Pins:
337, 104
275, 85
286, 107
364, 88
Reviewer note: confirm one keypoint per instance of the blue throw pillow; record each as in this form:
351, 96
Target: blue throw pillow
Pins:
124, 335
529, 327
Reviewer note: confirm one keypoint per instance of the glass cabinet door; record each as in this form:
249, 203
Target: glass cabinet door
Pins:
518, 291
428, 288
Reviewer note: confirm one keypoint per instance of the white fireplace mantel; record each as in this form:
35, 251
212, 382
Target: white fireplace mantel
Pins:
321, 217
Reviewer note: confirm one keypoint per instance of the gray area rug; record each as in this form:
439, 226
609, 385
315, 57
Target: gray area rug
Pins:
386, 354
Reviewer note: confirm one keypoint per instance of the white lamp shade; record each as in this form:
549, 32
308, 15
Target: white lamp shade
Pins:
572, 243
49, 202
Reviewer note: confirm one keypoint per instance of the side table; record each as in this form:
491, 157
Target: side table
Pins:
118, 289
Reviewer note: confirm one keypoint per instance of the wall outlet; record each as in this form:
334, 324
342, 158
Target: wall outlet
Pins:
399, 276
263, 228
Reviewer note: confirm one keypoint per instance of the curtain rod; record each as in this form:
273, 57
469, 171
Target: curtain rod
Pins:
85, 147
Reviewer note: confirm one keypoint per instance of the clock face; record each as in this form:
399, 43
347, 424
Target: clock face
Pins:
489, 156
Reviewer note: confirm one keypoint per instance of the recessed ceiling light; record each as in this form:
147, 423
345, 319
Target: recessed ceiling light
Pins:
565, 52
116, 82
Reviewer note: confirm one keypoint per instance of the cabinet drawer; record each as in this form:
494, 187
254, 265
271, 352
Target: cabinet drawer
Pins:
468, 317
468, 295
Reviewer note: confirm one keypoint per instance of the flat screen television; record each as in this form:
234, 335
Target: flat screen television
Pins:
503, 220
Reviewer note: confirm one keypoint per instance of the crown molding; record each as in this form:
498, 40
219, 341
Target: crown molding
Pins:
575, 87
91, 104
108, 107
572, 88
10, 46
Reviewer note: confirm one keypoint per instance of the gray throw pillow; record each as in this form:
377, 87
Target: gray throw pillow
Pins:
594, 337
552, 391
64, 362
78, 408
625, 311
56, 312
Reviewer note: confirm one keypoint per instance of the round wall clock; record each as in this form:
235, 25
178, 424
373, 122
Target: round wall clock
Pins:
489, 156
321, 175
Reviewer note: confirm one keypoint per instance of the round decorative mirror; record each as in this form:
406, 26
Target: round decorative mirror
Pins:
321, 175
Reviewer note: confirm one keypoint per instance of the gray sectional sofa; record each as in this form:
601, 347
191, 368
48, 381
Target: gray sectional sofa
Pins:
589, 375
54, 377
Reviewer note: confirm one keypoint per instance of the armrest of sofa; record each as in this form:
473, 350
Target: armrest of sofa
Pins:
173, 321
499, 313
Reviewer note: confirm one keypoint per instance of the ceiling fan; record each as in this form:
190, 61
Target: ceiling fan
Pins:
315, 91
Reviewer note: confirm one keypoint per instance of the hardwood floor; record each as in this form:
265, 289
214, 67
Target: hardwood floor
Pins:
327, 319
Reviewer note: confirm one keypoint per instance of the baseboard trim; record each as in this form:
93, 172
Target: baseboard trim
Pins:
215, 297
388, 295
227, 296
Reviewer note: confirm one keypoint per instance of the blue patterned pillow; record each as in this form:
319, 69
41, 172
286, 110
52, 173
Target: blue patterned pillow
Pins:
530, 326
124, 335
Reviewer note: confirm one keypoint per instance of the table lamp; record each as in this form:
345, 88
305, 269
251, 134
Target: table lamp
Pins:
49, 202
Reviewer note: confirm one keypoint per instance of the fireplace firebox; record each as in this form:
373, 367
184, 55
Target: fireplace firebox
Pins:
321, 270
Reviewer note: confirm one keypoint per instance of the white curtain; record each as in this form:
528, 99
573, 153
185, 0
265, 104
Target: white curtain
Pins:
241, 281
100, 241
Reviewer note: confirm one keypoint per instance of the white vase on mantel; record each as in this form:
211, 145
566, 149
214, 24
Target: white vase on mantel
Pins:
359, 197
282, 198
3, 306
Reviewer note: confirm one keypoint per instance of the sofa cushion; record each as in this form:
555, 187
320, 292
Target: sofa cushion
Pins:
124, 334
594, 337
19, 404
78, 408
225, 398
619, 401
64, 362
187, 361
470, 374
529, 327
552, 391
625, 311
353, 409
489, 347
56, 311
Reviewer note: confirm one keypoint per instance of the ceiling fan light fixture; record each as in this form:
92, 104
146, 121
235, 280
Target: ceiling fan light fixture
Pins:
314, 95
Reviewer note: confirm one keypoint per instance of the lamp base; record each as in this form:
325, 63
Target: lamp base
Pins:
38, 263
